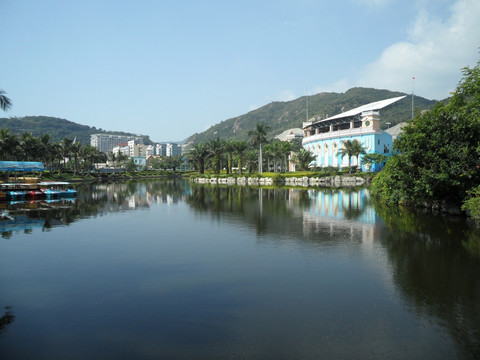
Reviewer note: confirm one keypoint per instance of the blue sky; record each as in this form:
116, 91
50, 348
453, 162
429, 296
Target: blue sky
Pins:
171, 68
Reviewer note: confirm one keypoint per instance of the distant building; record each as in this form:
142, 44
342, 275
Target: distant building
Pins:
173, 149
140, 162
325, 137
149, 150
290, 134
106, 142
396, 130
121, 148
161, 149
136, 149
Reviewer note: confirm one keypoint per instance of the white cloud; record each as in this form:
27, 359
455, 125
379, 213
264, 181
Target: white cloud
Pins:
435, 52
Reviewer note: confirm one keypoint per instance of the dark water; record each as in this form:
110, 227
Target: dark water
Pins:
166, 270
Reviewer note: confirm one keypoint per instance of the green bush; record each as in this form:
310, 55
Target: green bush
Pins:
472, 203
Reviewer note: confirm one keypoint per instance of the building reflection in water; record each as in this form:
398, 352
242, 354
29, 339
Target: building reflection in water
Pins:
348, 211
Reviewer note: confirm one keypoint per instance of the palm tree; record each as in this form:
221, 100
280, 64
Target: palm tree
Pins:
259, 137
351, 148
277, 149
303, 158
240, 148
229, 148
29, 146
268, 154
75, 152
5, 102
45, 149
8, 145
251, 157
215, 151
66, 148
197, 156
287, 148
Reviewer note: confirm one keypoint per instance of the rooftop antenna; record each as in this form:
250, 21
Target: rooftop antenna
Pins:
413, 84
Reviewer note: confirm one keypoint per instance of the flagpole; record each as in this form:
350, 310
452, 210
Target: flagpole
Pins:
413, 84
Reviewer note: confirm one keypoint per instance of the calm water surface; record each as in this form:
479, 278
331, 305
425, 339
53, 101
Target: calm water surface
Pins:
169, 270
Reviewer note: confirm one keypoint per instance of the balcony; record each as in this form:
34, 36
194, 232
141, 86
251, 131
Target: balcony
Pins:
339, 133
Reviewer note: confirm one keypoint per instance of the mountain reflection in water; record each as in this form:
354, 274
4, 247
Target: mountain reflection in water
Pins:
346, 277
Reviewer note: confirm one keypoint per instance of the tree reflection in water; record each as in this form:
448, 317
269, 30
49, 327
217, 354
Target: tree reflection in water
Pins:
7, 318
433, 259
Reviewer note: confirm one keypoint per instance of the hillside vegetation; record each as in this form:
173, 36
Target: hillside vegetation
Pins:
58, 129
281, 116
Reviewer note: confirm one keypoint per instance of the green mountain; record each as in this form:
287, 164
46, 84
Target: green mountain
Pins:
57, 128
281, 116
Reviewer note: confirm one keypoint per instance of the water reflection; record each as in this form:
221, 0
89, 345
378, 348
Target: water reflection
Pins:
92, 200
7, 318
353, 273
435, 267
434, 260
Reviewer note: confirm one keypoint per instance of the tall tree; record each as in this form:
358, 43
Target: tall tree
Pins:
66, 147
240, 148
75, 152
287, 148
8, 145
258, 138
215, 151
229, 148
29, 146
197, 156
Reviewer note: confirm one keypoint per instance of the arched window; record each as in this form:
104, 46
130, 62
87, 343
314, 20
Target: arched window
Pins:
335, 154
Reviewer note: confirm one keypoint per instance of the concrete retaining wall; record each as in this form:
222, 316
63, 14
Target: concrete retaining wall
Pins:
330, 181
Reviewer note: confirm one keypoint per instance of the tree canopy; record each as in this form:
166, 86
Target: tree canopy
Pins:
438, 155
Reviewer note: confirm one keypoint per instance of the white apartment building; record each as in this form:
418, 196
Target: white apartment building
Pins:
173, 149
149, 150
122, 148
106, 142
161, 149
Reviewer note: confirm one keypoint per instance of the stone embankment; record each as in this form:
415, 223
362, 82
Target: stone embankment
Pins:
330, 181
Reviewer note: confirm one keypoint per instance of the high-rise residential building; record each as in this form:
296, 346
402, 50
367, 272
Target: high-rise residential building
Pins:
161, 149
121, 148
106, 142
173, 149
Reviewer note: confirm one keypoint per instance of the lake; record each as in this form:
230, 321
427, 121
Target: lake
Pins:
173, 270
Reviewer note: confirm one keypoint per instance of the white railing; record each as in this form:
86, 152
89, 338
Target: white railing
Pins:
339, 133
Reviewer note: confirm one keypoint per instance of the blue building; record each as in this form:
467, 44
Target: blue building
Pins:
325, 137
140, 162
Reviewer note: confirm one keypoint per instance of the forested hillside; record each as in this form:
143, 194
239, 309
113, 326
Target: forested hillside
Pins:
281, 116
57, 128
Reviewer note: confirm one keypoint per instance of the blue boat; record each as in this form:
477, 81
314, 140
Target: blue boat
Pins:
51, 193
68, 193
57, 189
13, 195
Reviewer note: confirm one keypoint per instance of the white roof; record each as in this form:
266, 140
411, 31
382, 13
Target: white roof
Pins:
377, 105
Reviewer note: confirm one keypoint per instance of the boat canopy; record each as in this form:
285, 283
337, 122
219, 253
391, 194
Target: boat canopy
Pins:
21, 166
